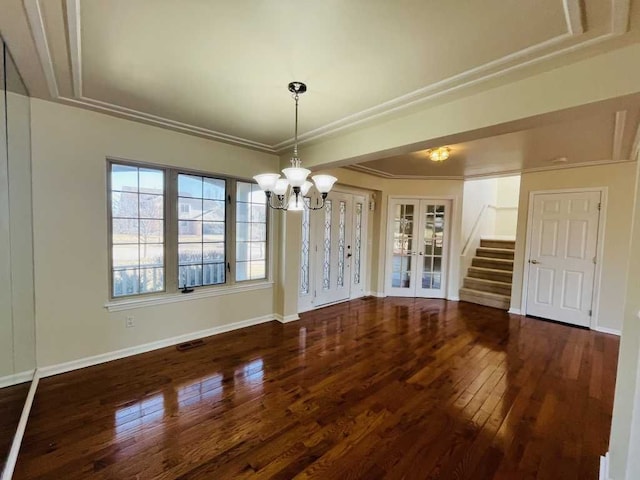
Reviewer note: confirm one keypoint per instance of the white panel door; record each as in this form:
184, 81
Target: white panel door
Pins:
418, 241
563, 239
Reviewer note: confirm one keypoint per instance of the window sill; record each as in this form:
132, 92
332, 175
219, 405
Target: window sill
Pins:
129, 304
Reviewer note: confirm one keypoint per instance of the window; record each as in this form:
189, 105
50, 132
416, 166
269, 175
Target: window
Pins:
137, 230
201, 233
251, 232
207, 240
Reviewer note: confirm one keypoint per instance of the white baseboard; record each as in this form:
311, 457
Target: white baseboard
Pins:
515, 311
453, 299
610, 331
147, 347
17, 378
604, 467
12, 458
286, 318
377, 294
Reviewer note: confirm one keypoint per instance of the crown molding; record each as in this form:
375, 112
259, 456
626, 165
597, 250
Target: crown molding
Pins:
503, 173
473, 76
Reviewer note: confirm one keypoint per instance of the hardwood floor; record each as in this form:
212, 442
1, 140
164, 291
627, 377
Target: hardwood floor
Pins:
11, 403
374, 388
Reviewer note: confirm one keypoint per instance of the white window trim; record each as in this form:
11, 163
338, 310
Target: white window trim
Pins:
149, 301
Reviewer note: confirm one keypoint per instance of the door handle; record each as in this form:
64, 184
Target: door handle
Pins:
348, 255
534, 261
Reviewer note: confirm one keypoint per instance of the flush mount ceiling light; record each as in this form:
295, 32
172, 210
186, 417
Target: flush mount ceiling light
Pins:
290, 193
439, 154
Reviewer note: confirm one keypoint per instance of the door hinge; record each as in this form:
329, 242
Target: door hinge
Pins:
590, 313
594, 260
229, 199
600, 206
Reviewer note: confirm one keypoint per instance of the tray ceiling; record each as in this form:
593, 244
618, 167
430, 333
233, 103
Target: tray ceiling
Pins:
220, 68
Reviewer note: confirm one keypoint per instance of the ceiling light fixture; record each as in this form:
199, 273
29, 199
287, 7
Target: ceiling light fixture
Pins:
290, 193
439, 154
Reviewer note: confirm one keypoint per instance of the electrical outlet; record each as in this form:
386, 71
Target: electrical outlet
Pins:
130, 322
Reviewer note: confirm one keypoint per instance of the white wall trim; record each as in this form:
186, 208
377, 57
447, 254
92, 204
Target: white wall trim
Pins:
453, 298
12, 458
515, 311
75, 44
148, 347
525, 57
597, 277
16, 378
618, 134
505, 173
604, 467
573, 15
132, 303
610, 331
286, 318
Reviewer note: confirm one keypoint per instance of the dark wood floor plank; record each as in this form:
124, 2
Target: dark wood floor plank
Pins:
373, 388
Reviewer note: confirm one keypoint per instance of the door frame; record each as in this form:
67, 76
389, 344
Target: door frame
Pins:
453, 254
597, 274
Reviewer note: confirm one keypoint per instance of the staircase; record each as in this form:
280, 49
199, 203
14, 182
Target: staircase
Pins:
488, 281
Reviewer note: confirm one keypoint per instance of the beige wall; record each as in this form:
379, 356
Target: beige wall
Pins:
624, 446
70, 147
619, 180
508, 195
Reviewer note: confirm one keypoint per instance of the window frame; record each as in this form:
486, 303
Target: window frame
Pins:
171, 228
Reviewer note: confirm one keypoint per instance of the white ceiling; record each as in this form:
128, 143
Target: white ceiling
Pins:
220, 68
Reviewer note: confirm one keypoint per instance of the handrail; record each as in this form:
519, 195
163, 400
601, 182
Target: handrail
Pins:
476, 225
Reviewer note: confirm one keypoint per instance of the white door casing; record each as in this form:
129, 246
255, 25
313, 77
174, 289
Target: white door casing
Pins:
562, 255
418, 245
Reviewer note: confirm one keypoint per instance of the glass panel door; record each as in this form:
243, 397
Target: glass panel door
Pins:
417, 259
402, 278
433, 251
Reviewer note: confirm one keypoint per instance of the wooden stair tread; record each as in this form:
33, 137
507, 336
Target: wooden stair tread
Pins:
491, 259
480, 293
490, 282
489, 270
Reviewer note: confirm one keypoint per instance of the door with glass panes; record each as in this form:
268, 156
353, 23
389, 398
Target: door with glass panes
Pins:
333, 251
418, 248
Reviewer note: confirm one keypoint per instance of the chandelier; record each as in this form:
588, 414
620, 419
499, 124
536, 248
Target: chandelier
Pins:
290, 193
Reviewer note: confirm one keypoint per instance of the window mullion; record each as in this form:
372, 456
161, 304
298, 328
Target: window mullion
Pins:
230, 223
171, 232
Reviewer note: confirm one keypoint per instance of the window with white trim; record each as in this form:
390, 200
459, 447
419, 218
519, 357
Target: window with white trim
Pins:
171, 229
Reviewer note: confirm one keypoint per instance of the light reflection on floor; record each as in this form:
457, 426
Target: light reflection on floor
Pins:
138, 416
205, 389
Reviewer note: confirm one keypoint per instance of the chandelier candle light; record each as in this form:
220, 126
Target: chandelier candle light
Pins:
290, 193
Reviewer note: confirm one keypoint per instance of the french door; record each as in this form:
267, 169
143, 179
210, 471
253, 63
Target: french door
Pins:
418, 244
563, 241
332, 251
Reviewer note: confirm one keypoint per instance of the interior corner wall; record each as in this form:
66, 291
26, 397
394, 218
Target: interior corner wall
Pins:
624, 445
70, 147
619, 180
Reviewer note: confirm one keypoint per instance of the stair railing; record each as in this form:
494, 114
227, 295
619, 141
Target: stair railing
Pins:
472, 242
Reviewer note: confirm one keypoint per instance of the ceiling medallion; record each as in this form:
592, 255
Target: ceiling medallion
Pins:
439, 154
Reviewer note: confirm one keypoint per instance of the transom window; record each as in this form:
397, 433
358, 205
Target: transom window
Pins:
218, 234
